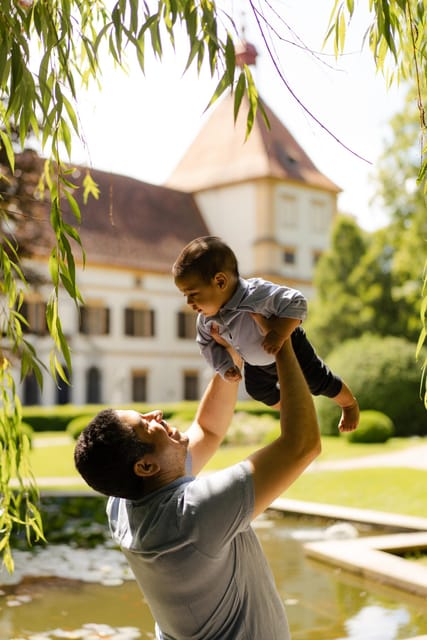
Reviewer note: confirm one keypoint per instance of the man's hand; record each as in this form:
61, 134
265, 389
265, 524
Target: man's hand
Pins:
272, 342
276, 331
233, 374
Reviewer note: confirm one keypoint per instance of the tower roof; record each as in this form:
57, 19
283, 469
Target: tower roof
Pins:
219, 154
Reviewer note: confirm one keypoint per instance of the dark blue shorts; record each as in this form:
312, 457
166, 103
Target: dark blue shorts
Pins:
262, 382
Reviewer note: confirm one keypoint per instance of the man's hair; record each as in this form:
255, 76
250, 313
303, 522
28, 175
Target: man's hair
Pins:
105, 454
205, 256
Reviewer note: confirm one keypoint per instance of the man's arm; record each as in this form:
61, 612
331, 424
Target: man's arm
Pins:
212, 420
279, 331
215, 410
279, 464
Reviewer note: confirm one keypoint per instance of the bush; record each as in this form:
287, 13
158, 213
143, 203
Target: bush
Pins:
55, 418
76, 426
384, 376
246, 429
374, 426
26, 430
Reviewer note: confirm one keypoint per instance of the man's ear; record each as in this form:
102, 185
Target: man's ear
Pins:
145, 467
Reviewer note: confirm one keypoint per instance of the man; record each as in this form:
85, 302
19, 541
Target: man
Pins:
188, 539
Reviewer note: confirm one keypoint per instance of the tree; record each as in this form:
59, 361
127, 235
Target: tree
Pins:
359, 287
335, 313
406, 206
396, 37
49, 49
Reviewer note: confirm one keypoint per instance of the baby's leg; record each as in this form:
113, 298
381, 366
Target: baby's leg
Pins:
261, 383
350, 409
322, 381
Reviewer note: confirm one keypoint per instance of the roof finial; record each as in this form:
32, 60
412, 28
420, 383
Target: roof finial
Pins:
245, 51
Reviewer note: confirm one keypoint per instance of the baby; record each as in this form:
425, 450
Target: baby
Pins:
207, 273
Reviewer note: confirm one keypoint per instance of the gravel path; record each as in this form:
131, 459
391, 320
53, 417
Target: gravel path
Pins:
413, 457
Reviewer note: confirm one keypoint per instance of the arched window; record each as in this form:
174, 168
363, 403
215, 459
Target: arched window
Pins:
63, 389
31, 390
93, 385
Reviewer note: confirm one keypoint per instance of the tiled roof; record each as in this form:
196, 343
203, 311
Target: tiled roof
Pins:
133, 224
219, 154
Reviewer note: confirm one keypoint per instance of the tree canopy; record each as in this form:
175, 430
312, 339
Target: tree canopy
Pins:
48, 50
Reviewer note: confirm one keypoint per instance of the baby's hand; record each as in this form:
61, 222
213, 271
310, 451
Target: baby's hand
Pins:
233, 374
215, 334
272, 342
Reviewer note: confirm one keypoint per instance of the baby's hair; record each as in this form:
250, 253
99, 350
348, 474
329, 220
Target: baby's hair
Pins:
205, 256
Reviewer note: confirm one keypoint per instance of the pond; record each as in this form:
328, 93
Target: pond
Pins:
62, 592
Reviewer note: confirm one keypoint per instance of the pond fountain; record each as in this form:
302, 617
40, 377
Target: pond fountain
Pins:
60, 591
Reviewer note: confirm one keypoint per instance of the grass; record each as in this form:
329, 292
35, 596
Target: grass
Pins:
395, 490
384, 489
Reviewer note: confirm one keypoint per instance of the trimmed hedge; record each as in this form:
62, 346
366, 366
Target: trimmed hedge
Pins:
73, 419
374, 426
76, 425
28, 431
55, 418
384, 376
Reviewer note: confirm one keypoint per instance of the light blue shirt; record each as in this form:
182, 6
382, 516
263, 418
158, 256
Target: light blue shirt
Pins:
240, 329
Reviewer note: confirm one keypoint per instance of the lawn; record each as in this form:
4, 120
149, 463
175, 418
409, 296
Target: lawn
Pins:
384, 489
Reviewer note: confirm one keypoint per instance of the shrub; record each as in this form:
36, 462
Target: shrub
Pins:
249, 429
384, 376
55, 418
374, 426
26, 430
76, 426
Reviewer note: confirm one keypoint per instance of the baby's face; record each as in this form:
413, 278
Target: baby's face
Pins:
203, 297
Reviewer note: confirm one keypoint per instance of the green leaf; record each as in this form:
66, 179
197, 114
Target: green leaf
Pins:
73, 204
222, 85
90, 188
238, 94
7, 144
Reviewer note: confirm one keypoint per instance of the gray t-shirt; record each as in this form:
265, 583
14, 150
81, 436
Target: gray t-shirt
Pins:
198, 561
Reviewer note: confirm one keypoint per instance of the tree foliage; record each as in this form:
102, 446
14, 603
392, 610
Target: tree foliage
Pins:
359, 289
48, 51
397, 39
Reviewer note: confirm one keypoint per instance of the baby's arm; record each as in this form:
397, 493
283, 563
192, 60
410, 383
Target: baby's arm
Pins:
277, 331
233, 373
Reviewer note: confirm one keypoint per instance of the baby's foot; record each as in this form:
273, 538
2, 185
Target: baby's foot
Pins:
349, 418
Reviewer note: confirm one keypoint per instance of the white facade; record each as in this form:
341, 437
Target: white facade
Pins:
163, 360
277, 229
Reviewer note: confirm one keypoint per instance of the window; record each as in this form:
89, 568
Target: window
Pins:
191, 385
320, 217
315, 257
139, 386
186, 321
63, 389
94, 320
287, 211
34, 312
93, 385
31, 390
289, 256
139, 322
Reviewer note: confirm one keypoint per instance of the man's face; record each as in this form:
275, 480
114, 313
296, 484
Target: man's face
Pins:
203, 297
169, 444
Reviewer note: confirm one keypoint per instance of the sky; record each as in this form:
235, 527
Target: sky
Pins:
140, 125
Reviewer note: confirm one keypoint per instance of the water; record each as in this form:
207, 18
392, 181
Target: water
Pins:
90, 594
